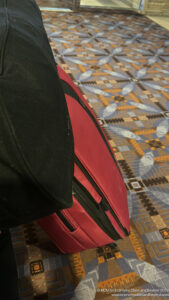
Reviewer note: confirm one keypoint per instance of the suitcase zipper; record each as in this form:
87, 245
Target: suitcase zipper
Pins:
66, 89
104, 203
93, 209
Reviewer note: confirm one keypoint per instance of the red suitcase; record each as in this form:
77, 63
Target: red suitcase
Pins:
99, 215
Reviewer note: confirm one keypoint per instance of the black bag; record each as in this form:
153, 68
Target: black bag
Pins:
36, 142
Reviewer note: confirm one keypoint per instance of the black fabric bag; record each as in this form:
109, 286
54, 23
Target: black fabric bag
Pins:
8, 268
36, 142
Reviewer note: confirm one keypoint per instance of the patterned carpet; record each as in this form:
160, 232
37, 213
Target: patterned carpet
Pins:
121, 65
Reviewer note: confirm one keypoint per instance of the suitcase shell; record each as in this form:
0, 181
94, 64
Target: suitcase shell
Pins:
99, 214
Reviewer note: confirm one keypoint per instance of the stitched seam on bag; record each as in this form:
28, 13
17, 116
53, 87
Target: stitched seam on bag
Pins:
3, 37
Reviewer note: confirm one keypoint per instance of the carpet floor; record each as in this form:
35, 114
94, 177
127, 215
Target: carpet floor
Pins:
121, 65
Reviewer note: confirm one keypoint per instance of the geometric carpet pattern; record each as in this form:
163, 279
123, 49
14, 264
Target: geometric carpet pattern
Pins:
121, 65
